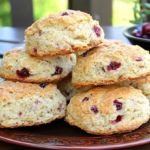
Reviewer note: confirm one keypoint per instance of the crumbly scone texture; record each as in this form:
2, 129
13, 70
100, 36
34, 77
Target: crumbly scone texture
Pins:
63, 33
143, 84
110, 63
108, 110
18, 65
103, 41
113, 41
67, 89
26, 104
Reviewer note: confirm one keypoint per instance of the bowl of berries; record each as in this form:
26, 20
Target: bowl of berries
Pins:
139, 35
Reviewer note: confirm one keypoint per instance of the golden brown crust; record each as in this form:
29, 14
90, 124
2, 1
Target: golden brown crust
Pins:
26, 104
41, 80
80, 85
99, 65
71, 19
64, 51
40, 70
134, 109
131, 126
59, 34
23, 89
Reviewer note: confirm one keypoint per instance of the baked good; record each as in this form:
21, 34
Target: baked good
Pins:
108, 110
63, 33
112, 41
18, 65
143, 84
110, 63
26, 104
67, 89
103, 41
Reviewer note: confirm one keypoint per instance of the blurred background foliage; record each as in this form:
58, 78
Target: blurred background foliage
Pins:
122, 10
41, 8
5, 13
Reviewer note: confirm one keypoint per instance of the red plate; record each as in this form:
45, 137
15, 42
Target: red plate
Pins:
60, 135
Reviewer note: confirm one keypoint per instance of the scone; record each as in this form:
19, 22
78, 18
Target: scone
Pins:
63, 33
84, 53
26, 104
143, 84
108, 110
110, 63
18, 65
67, 88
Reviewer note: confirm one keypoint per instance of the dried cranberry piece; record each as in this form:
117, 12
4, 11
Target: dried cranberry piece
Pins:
146, 36
94, 109
20, 113
113, 66
118, 104
65, 14
58, 70
97, 30
84, 54
139, 59
85, 99
60, 107
118, 119
35, 50
23, 73
43, 85
137, 33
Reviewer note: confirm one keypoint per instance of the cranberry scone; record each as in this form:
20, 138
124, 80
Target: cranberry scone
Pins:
18, 65
63, 33
108, 110
26, 104
143, 84
67, 89
110, 63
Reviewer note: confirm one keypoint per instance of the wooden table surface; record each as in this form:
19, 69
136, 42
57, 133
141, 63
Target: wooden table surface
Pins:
12, 37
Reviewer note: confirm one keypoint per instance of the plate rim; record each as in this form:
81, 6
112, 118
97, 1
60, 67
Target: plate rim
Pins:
126, 34
46, 146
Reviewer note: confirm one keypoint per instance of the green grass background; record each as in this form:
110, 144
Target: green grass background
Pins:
122, 10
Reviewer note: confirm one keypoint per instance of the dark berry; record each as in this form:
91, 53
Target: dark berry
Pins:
97, 30
60, 107
58, 70
146, 28
137, 33
85, 99
84, 54
65, 14
113, 66
139, 59
118, 119
35, 50
23, 73
146, 36
43, 85
66, 93
20, 113
118, 104
94, 109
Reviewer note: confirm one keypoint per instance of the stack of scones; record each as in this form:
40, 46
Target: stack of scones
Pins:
66, 58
